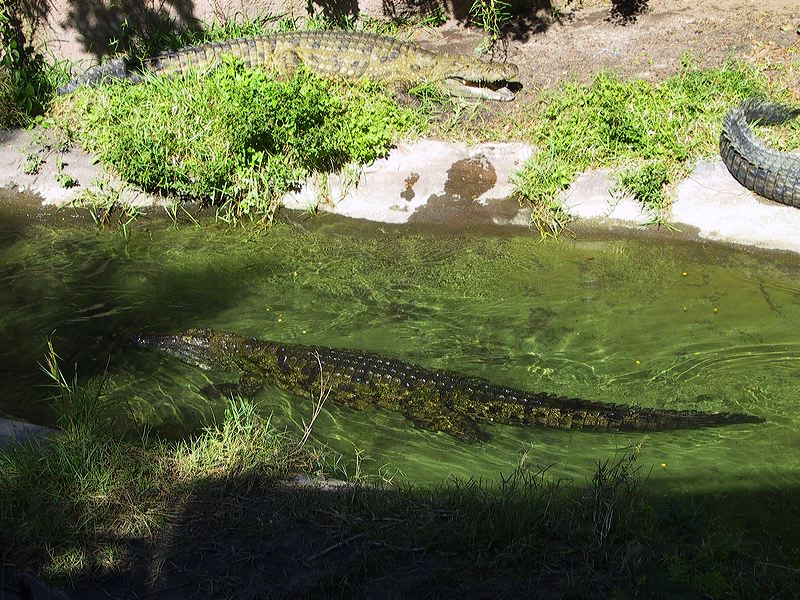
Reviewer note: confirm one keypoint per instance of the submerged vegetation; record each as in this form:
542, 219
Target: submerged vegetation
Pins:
93, 505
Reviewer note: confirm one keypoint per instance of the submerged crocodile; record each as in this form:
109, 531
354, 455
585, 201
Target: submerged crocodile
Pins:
432, 399
759, 168
349, 55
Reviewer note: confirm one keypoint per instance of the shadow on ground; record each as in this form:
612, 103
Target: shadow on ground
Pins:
248, 538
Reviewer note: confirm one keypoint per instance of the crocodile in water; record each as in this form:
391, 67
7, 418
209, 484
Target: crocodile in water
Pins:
759, 168
432, 399
348, 55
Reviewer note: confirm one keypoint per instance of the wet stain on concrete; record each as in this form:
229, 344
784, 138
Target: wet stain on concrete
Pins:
467, 180
408, 193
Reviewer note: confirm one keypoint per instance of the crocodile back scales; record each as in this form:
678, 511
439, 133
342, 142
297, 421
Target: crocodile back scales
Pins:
349, 55
480, 398
438, 399
346, 54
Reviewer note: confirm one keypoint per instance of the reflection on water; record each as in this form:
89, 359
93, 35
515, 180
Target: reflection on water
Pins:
678, 325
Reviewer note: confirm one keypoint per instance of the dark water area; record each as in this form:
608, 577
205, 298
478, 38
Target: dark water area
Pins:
663, 324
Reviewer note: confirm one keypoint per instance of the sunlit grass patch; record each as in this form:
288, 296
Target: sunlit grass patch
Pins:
649, 133
236, 137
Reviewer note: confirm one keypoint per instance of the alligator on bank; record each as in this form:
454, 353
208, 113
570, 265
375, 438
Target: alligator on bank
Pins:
759, 168
432, 399
347, 55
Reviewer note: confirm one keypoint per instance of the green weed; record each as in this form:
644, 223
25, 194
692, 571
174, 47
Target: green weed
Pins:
236, 137
33, 163
647, 183
649, 131
10, 112
491, 16
27, 82
244, 444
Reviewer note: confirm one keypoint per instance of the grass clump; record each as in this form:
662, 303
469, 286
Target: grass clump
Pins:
69, 505
646, 183
649, 131
66, 498
236, 137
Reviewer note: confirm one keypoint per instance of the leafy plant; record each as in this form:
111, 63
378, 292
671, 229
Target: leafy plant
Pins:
26, 81
236, 137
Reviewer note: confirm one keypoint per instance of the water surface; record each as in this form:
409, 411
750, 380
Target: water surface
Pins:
676, 325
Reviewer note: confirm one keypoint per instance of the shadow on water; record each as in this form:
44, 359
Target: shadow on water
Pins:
89, 291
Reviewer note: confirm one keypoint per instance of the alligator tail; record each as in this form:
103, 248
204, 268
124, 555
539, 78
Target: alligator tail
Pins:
117, 69
761, 169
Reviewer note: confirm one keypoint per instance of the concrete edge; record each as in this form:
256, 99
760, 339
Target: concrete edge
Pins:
457, 185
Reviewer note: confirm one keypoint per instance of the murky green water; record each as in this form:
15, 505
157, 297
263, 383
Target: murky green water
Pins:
658, 324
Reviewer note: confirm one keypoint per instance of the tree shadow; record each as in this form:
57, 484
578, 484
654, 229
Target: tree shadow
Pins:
88, 313
525, 15
340, 13
625, 12
401, 10
133, 27
527, 20
251, 537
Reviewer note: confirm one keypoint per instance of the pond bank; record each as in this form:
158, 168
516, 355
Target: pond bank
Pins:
454, 184
148, 519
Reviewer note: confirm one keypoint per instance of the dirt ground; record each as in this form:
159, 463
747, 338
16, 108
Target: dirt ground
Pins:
637, 38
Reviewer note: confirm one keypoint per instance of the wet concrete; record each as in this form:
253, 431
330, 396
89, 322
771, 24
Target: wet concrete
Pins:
458, 205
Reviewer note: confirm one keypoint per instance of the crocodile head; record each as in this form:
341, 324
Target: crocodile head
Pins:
202, 348
473, 78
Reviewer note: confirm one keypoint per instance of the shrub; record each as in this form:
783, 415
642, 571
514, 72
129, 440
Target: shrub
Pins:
236, 136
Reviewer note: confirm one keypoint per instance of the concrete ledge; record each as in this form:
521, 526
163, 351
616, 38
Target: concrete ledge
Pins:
462, 186
722, 210
426, 181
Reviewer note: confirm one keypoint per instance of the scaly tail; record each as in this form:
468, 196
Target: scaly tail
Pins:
759, 168
117, 69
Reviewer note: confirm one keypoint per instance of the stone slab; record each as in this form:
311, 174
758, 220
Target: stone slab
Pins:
425, 181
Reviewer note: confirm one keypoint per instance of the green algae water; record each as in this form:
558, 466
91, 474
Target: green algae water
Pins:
654, 323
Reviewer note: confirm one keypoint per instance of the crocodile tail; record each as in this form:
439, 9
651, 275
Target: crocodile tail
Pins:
767, 113
573, 413
654, 419
117, 69
759, 168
